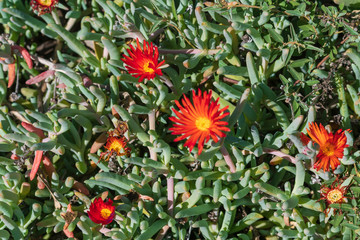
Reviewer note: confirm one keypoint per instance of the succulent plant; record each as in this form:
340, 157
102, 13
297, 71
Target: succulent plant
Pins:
93, 92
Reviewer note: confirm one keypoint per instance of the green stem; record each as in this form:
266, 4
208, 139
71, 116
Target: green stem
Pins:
189, 51
344, 111
169, 84
70, 23
56, 18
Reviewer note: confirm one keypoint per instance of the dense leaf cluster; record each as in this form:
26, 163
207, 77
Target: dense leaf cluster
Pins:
277, 65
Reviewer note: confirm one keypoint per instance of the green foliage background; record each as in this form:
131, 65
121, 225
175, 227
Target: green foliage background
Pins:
277, 64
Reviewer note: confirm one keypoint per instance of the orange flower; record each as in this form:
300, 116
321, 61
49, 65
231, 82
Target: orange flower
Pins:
199, 120
331, 146
116, 142
143, 63
101, 212
115, 145
333, 194
43, 6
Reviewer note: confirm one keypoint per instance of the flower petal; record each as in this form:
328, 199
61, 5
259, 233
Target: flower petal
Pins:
202, 111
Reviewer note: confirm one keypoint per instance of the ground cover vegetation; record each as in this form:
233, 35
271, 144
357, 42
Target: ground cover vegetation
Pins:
179, 119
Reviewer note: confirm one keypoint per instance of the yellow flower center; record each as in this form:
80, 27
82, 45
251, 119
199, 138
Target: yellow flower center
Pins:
203, 123
147, 68
105, 213
46, 3
334, 195
116, 145
328, 149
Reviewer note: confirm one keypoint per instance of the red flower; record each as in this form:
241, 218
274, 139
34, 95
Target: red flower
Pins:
331, 146
143, 63
101, 212
199, 120
43, 6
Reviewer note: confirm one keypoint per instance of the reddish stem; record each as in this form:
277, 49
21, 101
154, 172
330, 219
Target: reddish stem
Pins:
170, 195
227, 158
153, 154
280, 154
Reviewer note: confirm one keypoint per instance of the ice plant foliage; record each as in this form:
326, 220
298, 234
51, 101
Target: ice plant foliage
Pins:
43, 6
143, 63
79, 68
304, 139
331, 146
18, 50
333, 194
101, 212
11, 73
39, 155
199, 120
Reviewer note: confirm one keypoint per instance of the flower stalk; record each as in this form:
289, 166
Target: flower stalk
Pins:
228, 159
170, 195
